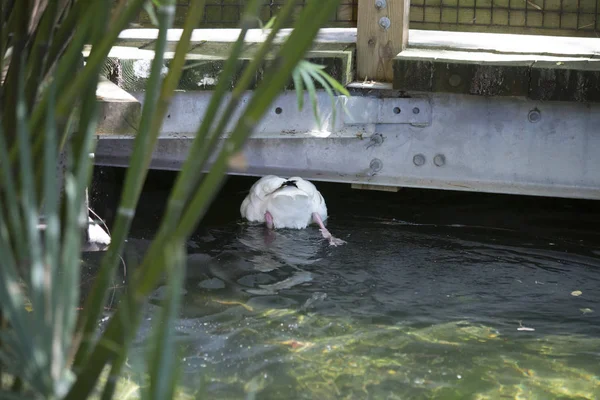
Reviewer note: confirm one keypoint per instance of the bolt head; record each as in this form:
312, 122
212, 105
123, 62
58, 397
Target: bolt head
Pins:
376, 165
376, 139
385, 22
416, 110
419, 159
534, 115
439, 160
454, 80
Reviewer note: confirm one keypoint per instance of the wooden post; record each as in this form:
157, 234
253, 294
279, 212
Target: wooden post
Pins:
382, 33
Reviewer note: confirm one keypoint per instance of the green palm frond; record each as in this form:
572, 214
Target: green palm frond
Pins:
304, 75
49, 347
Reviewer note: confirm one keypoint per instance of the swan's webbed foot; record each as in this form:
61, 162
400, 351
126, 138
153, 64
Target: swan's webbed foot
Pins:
333, 241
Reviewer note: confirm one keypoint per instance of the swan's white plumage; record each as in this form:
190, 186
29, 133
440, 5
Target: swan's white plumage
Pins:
290, 207
97, 238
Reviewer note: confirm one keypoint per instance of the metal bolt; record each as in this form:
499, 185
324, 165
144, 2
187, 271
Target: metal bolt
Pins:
379, 4
397, 110
534, 115
439, 160
376, 140
454, 80
416, 110
385, 22
376, 165
419, 159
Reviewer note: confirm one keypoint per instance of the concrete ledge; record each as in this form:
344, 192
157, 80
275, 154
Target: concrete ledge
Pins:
130, 67
120, 112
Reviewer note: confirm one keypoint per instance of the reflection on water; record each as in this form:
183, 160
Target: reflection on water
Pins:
448, 296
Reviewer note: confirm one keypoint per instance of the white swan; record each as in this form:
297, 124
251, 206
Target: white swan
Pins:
97, 238
287, 203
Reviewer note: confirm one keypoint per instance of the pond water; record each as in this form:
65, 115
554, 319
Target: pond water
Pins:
441, 295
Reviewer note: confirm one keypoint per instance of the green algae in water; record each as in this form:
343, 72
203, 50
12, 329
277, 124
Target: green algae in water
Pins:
427, 309
311, 356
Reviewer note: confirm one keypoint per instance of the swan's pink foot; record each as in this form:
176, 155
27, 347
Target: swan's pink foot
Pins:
333, 241
269, 234
269, 220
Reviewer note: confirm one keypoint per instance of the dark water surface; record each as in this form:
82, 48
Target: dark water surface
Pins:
439, 295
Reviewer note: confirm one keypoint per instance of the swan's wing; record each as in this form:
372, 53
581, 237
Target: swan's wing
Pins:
254, 205
245, 205
266, 185
317, 200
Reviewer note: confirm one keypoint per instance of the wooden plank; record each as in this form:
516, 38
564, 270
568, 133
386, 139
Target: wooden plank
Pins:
505, 43
325, 35
479, 73
566, 31
565, 81
491, 42
382, 34
534, 76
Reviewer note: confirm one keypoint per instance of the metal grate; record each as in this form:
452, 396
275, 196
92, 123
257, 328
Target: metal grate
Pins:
226, 13
518, 16
556, 17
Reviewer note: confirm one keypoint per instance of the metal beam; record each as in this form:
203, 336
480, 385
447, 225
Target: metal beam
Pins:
457, 142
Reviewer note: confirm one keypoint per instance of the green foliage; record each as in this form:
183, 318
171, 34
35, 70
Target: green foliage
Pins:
49, 349
304, 74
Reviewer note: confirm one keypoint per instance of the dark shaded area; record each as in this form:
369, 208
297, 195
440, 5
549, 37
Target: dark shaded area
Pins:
534, 215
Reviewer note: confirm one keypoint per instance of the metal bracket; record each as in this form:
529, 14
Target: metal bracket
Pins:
368, 110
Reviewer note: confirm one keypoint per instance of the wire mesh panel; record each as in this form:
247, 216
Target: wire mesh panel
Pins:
553, 17
226, 13
571, 17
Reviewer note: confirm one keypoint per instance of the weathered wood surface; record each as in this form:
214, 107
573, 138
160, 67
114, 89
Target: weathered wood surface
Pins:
504, 43
217, 42
539, 67
461, 72
552, 78
382, 33
566, 81
443, 40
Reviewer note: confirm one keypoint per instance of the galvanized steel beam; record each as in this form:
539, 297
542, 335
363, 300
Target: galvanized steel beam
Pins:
441, 141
